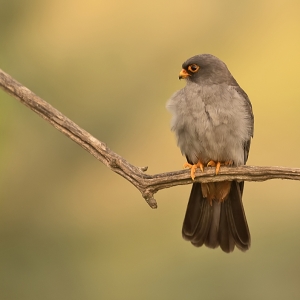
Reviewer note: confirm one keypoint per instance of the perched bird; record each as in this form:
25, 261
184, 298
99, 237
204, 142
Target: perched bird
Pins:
213, 122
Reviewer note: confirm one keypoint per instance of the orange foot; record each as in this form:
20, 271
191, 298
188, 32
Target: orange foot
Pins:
218, 164
194, 167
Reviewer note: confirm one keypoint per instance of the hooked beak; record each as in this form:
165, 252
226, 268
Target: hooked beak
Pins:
183, 74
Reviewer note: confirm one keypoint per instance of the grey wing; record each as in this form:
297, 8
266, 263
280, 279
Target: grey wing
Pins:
250, 112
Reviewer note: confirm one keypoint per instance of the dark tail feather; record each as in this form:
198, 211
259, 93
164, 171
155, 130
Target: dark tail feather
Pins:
237, 218
226, 239
221, 224
198, 217
212, 239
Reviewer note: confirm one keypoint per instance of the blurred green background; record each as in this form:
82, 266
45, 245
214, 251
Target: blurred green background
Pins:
72, 229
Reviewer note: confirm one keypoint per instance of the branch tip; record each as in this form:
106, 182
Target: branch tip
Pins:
148, 196
143, 169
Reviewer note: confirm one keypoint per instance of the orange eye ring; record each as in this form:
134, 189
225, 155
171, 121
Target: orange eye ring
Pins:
193, 68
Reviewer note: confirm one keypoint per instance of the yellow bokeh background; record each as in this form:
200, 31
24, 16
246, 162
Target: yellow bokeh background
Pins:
72, 229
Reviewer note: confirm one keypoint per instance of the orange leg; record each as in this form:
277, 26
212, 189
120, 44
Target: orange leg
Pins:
218, 164
194, 167
228, 163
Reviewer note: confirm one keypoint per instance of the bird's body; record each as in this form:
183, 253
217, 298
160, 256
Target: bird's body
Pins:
213, 122
215, 129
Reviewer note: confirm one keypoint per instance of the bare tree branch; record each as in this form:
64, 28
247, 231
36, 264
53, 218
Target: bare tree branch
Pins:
148, 185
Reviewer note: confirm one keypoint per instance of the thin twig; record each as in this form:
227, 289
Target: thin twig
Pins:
148, 185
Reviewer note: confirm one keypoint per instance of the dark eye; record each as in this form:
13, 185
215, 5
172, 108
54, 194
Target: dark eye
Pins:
193, 68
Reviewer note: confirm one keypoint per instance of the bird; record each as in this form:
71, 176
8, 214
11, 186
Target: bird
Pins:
213, 121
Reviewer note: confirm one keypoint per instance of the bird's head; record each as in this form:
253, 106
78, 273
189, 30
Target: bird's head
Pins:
205, 68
